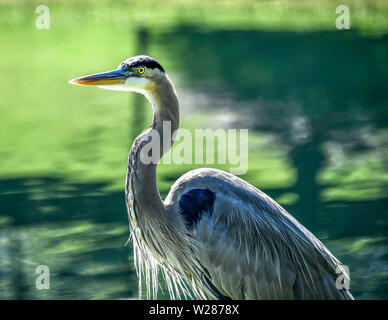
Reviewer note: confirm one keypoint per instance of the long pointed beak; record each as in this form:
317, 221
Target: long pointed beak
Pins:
101, 79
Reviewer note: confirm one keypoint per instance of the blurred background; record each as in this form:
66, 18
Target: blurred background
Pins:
314, 99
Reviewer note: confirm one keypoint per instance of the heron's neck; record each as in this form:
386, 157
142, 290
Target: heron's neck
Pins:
149, 147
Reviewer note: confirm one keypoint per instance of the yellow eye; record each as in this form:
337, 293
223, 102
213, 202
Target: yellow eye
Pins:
141, 70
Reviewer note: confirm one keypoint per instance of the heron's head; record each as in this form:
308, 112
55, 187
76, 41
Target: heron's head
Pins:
140, 73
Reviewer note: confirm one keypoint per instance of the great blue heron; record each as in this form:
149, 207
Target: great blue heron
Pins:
214, 233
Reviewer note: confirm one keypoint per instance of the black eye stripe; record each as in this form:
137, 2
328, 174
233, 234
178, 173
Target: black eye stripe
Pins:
141, 61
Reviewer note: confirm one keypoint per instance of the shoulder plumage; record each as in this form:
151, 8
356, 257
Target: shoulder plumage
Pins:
194, 203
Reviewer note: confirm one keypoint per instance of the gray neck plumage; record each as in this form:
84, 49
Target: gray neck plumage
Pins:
147, 150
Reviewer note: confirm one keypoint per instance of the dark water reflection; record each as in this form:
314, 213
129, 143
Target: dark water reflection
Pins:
78, 230
309, 90
314, 93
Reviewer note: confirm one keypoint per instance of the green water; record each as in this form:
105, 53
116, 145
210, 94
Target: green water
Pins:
313, 98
